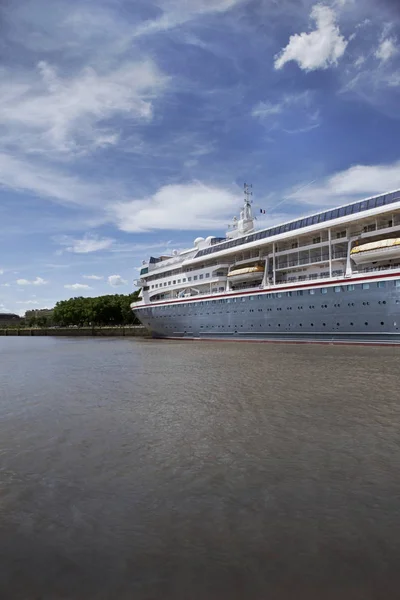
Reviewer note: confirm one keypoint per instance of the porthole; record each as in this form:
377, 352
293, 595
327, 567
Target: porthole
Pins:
382, 323
324, 324
366, 323
351, 324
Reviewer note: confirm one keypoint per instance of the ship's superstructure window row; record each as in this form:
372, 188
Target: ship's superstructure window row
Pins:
328, 215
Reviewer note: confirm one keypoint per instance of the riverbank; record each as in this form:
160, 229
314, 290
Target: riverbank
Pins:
134, 331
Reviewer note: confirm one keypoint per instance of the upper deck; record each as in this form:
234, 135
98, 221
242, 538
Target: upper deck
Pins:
317, 246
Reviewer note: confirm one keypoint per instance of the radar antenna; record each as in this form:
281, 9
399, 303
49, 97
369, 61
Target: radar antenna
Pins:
247, 188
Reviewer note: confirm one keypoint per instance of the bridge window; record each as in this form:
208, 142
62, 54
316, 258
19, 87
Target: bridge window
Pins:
365, 286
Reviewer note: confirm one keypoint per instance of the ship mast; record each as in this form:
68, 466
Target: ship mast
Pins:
245, 223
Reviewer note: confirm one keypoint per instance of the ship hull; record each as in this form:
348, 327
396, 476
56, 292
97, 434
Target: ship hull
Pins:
366, 312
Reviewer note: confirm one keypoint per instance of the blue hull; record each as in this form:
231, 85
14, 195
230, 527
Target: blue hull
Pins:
350, 312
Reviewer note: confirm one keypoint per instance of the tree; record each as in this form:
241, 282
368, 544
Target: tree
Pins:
113, 309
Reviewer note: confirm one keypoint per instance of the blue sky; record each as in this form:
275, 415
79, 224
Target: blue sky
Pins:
129, 126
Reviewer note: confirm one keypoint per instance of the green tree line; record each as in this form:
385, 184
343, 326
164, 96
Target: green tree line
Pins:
113, 309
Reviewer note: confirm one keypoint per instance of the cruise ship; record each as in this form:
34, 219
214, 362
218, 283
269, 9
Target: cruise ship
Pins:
332, 276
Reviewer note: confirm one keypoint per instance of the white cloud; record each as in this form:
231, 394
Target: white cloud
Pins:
318, 49
89, 243
357, 181
94, 277
37, 281
191, 206
386, 50
1, 271
5, 285
77, 286
27, 302
44, 112
116, 280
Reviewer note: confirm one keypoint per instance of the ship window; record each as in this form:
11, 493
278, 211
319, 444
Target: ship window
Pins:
243, 299
279, 295
201, 276
311, 292
194, 277
381, 284
324, 290
189, 279
299, 293
207, 274
365, 286
350, 288
169, 283
174, 281
397, 283
348, 210
338, 288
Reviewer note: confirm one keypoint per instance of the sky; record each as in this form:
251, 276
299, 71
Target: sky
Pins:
128, 127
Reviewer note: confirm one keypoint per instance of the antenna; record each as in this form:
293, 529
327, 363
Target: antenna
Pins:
247, 192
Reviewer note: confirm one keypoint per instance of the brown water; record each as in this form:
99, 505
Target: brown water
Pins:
181, 470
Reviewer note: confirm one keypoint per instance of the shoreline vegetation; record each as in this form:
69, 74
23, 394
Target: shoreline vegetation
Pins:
109, 315
112, 310
105, 331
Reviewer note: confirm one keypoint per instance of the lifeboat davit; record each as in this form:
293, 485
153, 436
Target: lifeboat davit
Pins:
376, 251
246, 274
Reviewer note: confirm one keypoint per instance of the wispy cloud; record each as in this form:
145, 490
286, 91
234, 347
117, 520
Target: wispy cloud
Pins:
93, 277
24, 175
89, 243
178, 12
71, 114
37, 281
294, 113
318, 49
116, 280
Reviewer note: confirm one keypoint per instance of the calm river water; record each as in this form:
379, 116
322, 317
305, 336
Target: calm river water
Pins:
138, 469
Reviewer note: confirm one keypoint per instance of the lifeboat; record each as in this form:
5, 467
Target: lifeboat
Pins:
246, 274
376, 251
